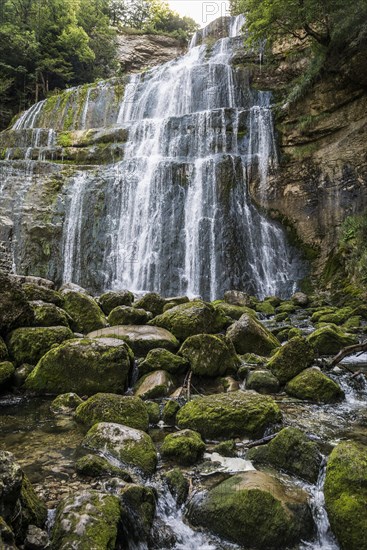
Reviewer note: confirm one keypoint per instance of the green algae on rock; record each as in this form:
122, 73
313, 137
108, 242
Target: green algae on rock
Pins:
210, 355
330, 339
84, 311
127, 315
230, 415
249, 336
162, 359
28, 345
346, 494
185, 447
49, 315
83, 366
177, 484
36, 292
108, 407
152, 302
312, 385
291, 359
262, 381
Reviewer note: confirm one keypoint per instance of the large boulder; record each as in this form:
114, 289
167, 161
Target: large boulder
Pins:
291, 359
156, 384
28, 345
291, 451
232, 311
36, 292
210, 355
152, 302
109, 407
249, 336
330, 339
109, 300
185, 447
137, 514
195, 317
86, 520
254, 510
133, 448
127, 315
237, 298
15, 310
313, 385
346, 494
262, 381
141, 338
7, 371
229, 415
49, 315
162, 359
83, 366
84, 311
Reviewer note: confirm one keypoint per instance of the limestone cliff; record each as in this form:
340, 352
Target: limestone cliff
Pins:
137, 52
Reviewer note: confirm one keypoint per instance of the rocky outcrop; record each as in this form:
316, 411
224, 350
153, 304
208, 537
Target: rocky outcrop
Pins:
137, 52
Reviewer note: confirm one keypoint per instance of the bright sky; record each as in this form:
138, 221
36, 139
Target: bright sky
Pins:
203, 11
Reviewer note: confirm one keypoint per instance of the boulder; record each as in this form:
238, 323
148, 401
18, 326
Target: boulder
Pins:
170, 411
290, 451
291, 359
232, 414
254, 510
262, 381
49, 315
250, 336
153, 411
346, 494
300, 299
137, 513
65, 403
15, 310
177, 484
332, 315
98, 466
313, 385
155, 384
7, 539
191, 318
133, 448
36, 292
109, 300
152, 302
141, 338
237, 298
162, 359
85, 520
7, 372
36, 539
185, 447
28, 345
83, 366
127, 315
84, 311
330, 339
210, 355
109, 407
232, 311
4, 354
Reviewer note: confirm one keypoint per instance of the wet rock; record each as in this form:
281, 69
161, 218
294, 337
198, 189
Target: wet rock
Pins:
153, 412
330, 339
229, 415
266, 308
262, 381
162, 359
152, 302
300, 299
346, 494
134, 448
21, 374
138, 505
210, 355
170, 411
84, 311
232, 311
185, 447
126, 315
7, 539
49, 315
177, 484
237, 298
291, 359
155, 384
291, 451
83, 366
110, 300
15, 310
250, 336
141, 338
65, 403
85, 520
332, 315
28, 345
36, 539
226, 448
3, 350
313, 385
7, 372
11, 478
195, 317
286, 307
108, 407
255, 510
48, 295
98, 466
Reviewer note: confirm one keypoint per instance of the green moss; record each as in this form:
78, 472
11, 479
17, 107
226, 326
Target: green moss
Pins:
28, 345
126, 315
97, 466
330, 339
170, 411
162, 359
262, 381
65, 403
3, 350
64, 139
266, 308
210, 355
34, 511
291, 359
49, 315
177, 484
249, 336
86, 314
154, 385
138, 509
346, 494
226, 448
108, 407
153, 412
185, 447
152, 302
313, 385
232, 311
7, 372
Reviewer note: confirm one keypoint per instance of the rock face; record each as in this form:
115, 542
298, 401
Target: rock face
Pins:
255, 510
138, 52
83, 366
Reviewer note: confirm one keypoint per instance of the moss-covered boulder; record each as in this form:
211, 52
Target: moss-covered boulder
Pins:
291, 359
127, 315
195, 317
152, 302
254, 510
109, 407
210, 355
98, 466
83, 366
300, 299
154, 385
84, 311
28, 345
154, 411
87, 519
138, 512
15, 310
238, 298
170, 411
7, 539
49, 315
110, 300
185, 447
290, 451
229, 415
231, 311
330, 339
346, 494
262, 381
265, 308
7, 371
134, 448
249, 336
33, 510
65, 403
36, 292
226, 448
332, 315
286, 307
141, 338
177, 484
313, 385
4, 354
162, 359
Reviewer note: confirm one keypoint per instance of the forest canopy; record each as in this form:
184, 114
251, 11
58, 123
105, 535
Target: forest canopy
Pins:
47, 45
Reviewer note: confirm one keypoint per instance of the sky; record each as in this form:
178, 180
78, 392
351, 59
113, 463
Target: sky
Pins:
203, 11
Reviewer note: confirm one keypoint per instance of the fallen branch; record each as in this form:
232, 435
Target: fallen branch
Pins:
262, 441
349, 350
